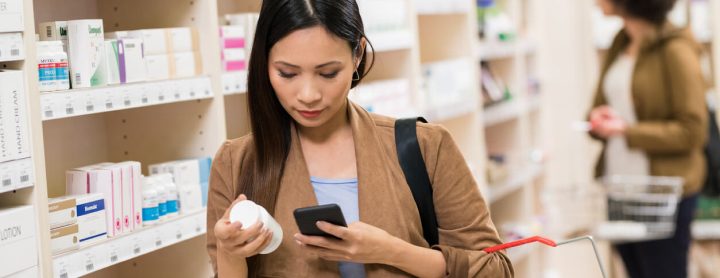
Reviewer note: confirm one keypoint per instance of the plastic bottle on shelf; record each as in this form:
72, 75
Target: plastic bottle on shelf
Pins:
47, 59
171, 195
150, 210
159, 186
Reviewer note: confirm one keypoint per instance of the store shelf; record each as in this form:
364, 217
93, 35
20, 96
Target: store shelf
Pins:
234, 83
64, 104
509, 110
16, 174
122, 248
514, 183
706, 229
489, 51
391, 40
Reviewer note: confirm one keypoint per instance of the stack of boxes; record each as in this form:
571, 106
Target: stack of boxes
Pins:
16, 168
121, 186
170, 52
236, 40
76, 221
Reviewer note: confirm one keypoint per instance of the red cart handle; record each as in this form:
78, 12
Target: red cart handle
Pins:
520, 242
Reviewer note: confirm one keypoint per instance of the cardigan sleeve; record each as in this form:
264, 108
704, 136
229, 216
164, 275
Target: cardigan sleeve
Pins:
220, 196
686, 130
465, 227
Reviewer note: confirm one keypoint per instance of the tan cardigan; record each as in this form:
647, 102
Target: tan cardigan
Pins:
668, 92
385, 201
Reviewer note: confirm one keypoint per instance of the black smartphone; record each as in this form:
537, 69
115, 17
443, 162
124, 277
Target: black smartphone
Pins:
306, 219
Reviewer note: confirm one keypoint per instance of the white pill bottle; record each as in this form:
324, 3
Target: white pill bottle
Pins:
248, 213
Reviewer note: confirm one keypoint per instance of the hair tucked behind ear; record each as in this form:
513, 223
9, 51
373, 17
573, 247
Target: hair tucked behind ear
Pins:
270, 123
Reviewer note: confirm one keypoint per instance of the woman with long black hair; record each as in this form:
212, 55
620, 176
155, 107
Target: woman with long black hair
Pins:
310, 145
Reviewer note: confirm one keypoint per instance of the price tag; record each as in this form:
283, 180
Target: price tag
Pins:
178, 232
137, 249
144, 99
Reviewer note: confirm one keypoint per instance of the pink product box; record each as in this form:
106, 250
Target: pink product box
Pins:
132, 192
234, 65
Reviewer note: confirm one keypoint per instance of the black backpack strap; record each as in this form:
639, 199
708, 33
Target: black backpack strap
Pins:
416, 175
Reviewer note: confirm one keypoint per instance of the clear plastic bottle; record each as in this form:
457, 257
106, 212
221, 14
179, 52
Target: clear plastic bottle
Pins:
150, 210
171, 190
159, 186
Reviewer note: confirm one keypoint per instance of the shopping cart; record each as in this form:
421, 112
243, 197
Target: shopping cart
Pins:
551, 243
619, 209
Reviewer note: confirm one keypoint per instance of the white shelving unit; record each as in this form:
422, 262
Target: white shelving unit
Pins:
126, 247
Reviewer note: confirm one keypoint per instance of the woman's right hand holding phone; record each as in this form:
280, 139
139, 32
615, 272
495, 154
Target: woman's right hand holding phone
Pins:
238, 241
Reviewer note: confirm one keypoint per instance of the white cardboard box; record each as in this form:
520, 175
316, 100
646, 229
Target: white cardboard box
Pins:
184, 64
64, 239
155, 41
15, 142
158, 67
182, 39
92, 180
11, 47
190, 198
11, 16
54, 31
86, 52
32, 272
112, 61
27, 273
91, 220
18, 247
62, 211
133, 69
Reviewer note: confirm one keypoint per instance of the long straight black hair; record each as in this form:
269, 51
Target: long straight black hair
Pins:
270, 123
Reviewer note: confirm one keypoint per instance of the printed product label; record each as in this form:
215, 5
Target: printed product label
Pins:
46, 72
150, 214
91, 207
163, 208
172, 206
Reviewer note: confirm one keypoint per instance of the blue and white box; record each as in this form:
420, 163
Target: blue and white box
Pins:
91, 218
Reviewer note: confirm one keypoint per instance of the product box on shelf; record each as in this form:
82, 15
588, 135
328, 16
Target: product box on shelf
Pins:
11, 47
205, 167
232, 36
11, 16
234, 59
123, 174
62, 211
112, 63
92, 179
54, 31
92, 226
158, 66
133, 65
155, 41
185, 64
182, 39
18, 247
27, 273
132, 191
64, 239
14, 134
187, 177
86, 50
